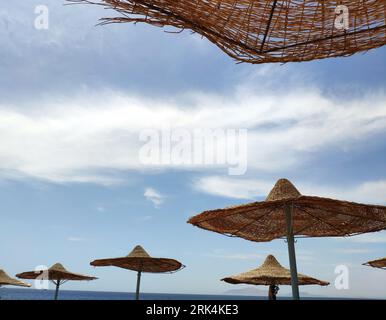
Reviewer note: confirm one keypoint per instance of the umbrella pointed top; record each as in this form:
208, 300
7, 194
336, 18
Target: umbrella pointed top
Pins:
58, 267
283, 189
270, 261
138, 252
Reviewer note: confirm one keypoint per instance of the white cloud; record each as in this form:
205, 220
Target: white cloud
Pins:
222, 254
237, 188
378, 237
368, 191
354, 251
238, 256
101, 209
233, 187
145, 218
75, 239
83, 141
154, 196
305, 258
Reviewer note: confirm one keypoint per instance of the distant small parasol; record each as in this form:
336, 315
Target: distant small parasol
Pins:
271, 273
56, 274
139, 260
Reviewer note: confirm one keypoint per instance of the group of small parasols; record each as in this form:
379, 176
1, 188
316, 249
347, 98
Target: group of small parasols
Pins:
137, 260
284, 214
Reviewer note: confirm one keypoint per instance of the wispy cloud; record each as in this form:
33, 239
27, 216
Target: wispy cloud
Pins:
238, 188
154, 196
379, 237
239, 256
305, 258
367, 191
145, 218
82, 141
354, 251
75, 239
101, 209
222, 254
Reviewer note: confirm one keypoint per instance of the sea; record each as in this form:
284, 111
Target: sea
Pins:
34, 294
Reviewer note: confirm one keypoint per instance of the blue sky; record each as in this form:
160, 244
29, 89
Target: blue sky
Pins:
73, 100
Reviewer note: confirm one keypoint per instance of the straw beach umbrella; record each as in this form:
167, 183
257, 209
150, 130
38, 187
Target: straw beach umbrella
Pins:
6, 280
57, 274
139, 260
379, 263
286, 213
265, 30
271, 273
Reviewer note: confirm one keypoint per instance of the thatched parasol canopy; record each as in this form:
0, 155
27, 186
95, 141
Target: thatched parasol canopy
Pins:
139, 260
379, 263
57, 274
6, 280
267, 30
287, 213
311, 216
271, 272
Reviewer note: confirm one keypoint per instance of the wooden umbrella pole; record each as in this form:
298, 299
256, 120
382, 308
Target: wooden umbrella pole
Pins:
269, 293
138, 285
291, 252
57, 289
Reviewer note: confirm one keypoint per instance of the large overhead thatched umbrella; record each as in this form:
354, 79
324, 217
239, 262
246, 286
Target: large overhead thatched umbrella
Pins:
6, 280
379, 263
57, 274
266, 30
287, 213
271, 273
139, 260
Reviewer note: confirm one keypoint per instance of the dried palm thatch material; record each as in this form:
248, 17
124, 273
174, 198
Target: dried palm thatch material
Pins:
57, 274
267, 30
271, 272
139, 260
380, 263
6, 280
311, 217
